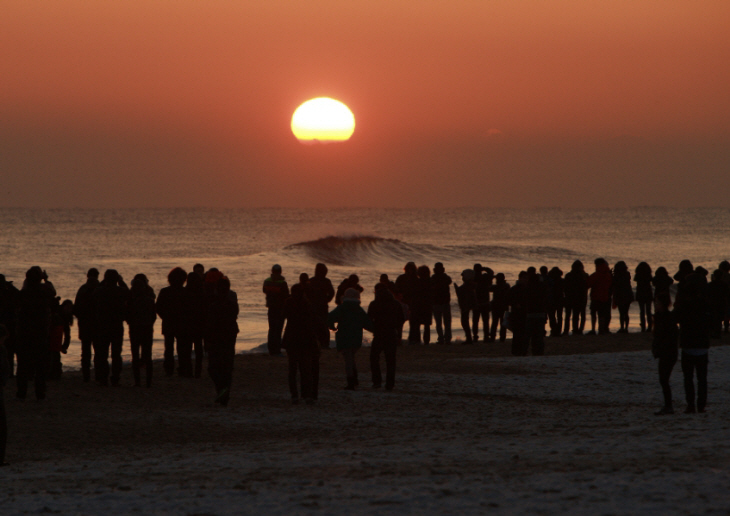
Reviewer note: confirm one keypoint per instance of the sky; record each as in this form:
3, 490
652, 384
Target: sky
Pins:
514, 103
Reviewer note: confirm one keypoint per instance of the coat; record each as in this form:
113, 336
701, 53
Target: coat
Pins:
350, 320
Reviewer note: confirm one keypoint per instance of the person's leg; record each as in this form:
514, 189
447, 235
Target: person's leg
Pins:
493, 328
582, 315
568, 313
414, 329
135, 344
169, 357
42, 362
426, 334
146, 345
86, 346
116, 345
465, 325
559, 319
22, 375
315, 373
101, 359
701, 366
377, 376
642, 315
447, 323
349, 358
199, 354
305, 374
293, 358
689, 386
665, 372
552, 321
475, 323
438, 311
594, 315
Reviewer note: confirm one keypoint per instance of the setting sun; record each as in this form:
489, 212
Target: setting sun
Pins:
323, 119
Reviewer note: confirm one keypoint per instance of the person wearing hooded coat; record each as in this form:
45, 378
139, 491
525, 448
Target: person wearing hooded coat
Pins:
33, 325
110, 306
387, 317
320, 293
221, 328
84, 312
300, 342
141, 317
349, 320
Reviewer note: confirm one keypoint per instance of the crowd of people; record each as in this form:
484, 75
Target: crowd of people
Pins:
199, 314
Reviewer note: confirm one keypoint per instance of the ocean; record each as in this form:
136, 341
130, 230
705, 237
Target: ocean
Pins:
245, 243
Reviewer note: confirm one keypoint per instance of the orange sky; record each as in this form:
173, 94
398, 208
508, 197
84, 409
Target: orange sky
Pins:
480, 103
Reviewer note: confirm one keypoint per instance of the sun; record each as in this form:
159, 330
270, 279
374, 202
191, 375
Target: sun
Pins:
322, 120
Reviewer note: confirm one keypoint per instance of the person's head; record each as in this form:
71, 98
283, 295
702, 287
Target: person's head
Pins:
522, 277
661, 272
320, 270
438, 268
685, 268
353, 279
213, 276
34, 276
600, 263
702, 271
351, 294
111, 276
500, 278
93, 274
195, 281
223, 287
199, 270
410, 268
477, 268
381, 289
555, 272
139, 282
67, 308
467, 275
276, 270
531, 271
717, 275
577, 266
177, 277
424, 272
643, 268
304, 278
297, 292
544, 270
724, 266
620, 267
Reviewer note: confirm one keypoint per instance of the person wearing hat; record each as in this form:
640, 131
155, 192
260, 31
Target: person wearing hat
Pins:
277, 292
348, 320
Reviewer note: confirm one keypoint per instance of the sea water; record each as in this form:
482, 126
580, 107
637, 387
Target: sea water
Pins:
245, 243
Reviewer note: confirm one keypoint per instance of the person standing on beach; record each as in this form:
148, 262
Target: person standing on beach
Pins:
192, 329
718, 295
644, 295
320, 293
8, 306
536, 301
352, 281
277, 291
575, 289
387, 317
84, 312
555, 300
517, 300
110, 307
141, 317
482, 285
4, 376
662, 282
441, 292
664, 348
406, 285
600, 283
348, 319
170, 307
499, 305
33, 325
693, 314
422, 306
300, 341
221, 329
623, 294
466, 294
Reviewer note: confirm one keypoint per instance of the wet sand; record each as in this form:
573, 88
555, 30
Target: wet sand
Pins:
467, 428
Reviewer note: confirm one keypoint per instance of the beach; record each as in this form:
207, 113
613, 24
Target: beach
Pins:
468, 429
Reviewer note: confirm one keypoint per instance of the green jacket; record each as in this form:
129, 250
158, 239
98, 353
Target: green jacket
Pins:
351, 319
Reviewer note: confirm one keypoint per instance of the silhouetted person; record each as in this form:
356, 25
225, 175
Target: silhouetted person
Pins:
301, 346
422, 306
644, 295
59, 337
277, 291
348, 319
84, 312
555, 300
441, 295
352, 281
320, 293
623, 294
304, 279
467, 297
724, 266
4, 376
664, 348
33, 325
518, 315
221, 330
110, 305
685, 269
199, 270
9, 295
388, 283
482, 285
170, 307
693, 314
536, 300
600, 283
193, 328
387, 317
499, 305
141, 317
575, 289
718, 295
405, 285
662, 282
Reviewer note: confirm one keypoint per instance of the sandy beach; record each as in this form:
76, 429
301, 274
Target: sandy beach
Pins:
468, 430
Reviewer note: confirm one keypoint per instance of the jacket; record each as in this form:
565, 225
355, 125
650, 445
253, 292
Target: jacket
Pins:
350, 320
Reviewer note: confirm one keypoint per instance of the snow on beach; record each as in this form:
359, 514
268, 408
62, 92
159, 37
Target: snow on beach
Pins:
538, 435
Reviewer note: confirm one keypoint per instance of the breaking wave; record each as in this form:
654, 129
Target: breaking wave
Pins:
366, 249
